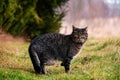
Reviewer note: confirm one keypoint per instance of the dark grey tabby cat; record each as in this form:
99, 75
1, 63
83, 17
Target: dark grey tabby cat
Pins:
46, 49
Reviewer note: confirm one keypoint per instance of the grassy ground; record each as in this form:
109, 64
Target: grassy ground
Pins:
99, 60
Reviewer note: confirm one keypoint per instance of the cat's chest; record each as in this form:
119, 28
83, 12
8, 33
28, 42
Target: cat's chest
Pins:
75, 49
77, 54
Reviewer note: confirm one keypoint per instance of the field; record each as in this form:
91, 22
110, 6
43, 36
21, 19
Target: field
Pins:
99, 60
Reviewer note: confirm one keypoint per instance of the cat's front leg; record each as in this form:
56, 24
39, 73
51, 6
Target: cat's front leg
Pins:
66, 64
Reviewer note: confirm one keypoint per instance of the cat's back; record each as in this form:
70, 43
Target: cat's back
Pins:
48, 38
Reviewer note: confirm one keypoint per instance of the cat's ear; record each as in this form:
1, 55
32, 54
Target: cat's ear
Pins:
86, 29
73, 27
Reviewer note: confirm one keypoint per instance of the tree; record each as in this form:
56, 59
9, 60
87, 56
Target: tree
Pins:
30, 17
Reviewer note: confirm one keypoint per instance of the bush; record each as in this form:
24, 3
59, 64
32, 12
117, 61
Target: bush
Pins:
30, 18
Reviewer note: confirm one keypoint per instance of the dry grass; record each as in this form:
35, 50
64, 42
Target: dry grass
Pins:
99, 60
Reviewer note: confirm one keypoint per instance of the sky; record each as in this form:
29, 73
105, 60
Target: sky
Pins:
113, 3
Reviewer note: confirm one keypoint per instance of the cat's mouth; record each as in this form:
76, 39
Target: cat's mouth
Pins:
82, 40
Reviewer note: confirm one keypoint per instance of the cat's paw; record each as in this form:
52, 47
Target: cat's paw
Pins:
44, 72
62, 64
67, 71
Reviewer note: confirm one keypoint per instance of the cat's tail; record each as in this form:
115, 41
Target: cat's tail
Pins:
35, 60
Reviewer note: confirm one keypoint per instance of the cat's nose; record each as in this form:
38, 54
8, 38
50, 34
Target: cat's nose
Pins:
82, 37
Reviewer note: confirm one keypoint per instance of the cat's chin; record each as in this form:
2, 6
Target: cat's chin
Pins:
82, 40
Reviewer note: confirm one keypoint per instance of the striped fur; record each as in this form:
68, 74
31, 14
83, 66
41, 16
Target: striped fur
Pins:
48, 48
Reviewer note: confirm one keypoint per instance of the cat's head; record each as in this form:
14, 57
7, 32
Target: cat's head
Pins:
79, 35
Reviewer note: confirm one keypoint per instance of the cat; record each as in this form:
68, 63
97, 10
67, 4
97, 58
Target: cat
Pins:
48, 48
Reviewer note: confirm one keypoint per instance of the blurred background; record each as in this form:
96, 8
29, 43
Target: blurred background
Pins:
22, 20
101, 16
29, 19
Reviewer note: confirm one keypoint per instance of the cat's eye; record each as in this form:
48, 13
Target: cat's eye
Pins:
75, 31
76, 35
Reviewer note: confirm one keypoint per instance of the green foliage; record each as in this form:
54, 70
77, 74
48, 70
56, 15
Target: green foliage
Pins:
30, 17
49, 14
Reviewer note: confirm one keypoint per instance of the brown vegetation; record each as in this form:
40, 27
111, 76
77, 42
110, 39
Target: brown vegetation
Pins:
4, 37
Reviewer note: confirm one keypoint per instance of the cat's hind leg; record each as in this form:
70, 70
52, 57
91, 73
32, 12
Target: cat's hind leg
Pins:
35, 60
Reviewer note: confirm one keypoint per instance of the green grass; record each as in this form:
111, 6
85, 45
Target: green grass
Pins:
99, 60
